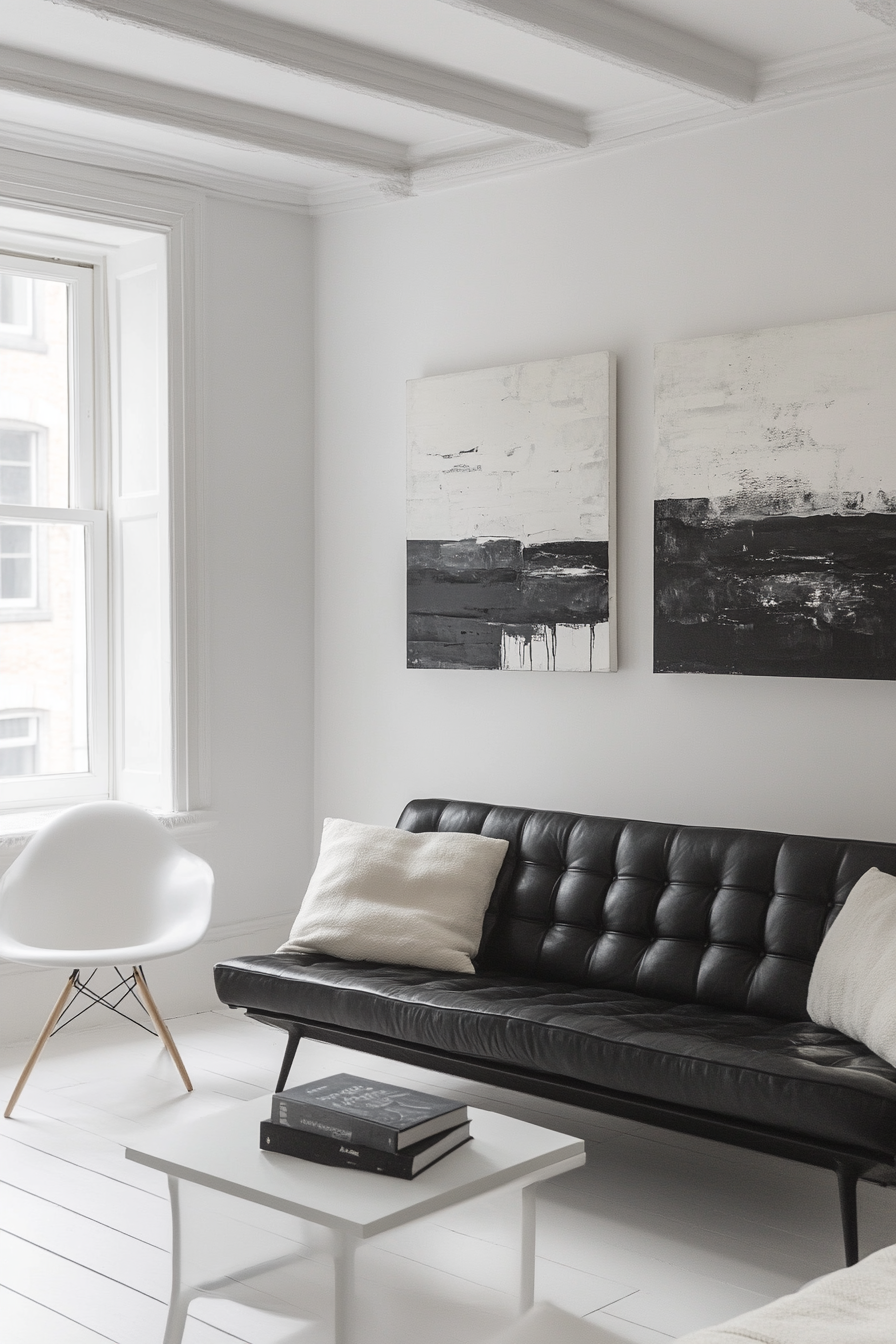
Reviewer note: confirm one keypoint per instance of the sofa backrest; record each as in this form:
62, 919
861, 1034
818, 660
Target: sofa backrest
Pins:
688, 914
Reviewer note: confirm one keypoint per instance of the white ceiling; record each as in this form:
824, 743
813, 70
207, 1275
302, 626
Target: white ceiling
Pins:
329, 101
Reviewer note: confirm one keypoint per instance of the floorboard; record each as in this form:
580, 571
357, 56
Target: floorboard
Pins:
659, 1234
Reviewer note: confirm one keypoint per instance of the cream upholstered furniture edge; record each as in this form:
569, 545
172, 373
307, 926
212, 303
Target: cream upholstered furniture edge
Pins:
856, 1305
853, 983
851, 1306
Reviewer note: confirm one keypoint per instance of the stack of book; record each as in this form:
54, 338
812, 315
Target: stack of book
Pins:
345, 1121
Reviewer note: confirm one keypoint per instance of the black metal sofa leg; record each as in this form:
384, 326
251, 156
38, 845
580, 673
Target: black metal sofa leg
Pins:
289, 1054
847, 1180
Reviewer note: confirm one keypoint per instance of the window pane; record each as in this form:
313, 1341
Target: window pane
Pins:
43, 654
18, 761
16, 538
34, 391
17, 569
15, 484
16, 727
16, 580
15, 301
16, 445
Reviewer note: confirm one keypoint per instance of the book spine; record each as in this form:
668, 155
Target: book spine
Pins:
304, 1115
312, 1147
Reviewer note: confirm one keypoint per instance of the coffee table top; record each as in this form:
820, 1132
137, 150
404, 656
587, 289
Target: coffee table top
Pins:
222, 1152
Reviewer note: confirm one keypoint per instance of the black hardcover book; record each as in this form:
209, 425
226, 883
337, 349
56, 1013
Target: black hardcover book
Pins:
338, 1153
359, 1110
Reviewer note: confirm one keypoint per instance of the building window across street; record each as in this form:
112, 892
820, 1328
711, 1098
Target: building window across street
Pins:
19, 742
16, 305
18, 465
18, 558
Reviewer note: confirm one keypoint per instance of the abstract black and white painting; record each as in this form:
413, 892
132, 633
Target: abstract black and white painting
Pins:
775, 514
510, 517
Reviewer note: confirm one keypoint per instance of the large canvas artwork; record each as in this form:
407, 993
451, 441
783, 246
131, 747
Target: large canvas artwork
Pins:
510, 517
775, 515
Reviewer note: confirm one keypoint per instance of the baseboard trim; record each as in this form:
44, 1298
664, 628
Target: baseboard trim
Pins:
249, 928
217, 933
181, 984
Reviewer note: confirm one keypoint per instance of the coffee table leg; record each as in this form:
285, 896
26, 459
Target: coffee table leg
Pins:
527, 1248
344, 1262
179, 1303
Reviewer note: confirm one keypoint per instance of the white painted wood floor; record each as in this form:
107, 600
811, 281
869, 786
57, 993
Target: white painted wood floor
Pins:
659, 1234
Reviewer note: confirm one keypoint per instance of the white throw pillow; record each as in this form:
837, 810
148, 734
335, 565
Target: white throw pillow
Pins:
853, 982
379, 894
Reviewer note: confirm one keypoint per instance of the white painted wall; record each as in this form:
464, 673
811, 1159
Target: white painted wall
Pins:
257, 334
259, 432
781, 218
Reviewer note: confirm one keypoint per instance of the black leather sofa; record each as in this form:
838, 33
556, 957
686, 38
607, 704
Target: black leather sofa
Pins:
648, 971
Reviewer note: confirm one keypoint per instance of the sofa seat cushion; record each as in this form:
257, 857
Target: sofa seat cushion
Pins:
795, 1076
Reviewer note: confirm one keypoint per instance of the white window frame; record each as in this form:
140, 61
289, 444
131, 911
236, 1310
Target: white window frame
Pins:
140, 550
83, 474
83, 194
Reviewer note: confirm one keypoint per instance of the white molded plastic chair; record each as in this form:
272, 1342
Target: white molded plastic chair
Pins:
102, 884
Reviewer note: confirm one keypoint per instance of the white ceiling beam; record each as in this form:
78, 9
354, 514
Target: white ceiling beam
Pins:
119, 95
349, 65
645, 45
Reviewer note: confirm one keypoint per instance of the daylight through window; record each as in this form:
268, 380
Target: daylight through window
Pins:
52, 540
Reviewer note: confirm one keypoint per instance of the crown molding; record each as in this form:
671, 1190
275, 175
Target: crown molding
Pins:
622, 37
853, 65
350, 65
120, 95
64, 148
848, 69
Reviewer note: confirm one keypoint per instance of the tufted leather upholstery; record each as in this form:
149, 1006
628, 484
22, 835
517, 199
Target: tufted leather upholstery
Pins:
728, 918
663, 962
796, 1076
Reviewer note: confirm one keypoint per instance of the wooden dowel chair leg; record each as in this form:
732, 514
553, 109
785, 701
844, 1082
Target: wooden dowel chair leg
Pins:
160, 1027
41, 1042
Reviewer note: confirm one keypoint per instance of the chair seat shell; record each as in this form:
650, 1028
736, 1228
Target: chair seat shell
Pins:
103, 884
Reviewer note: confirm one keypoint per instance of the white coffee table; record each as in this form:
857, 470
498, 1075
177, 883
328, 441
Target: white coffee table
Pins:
221, 1152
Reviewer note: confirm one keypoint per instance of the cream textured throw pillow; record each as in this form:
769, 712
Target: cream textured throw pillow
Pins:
379, 894
853, 983
850, 1306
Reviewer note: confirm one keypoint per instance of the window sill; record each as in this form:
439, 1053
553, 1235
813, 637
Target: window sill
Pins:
24, 613
17, 828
